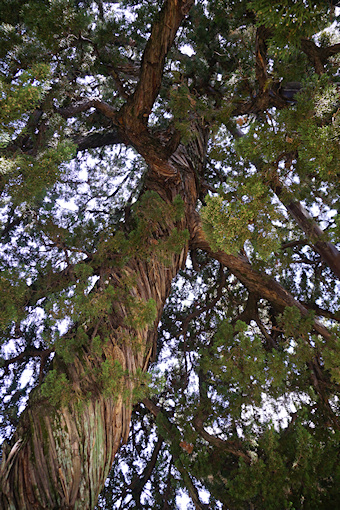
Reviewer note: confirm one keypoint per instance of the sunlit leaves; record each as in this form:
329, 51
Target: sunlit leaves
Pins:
28, 179
307, 135
246, 214
21, 97
290, 19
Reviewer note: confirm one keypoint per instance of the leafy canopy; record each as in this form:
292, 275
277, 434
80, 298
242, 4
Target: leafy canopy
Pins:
247, 388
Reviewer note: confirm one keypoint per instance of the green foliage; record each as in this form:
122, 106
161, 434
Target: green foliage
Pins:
28, 178
152, 216
296, 326
141, 314
67, 346
112, 378
309, 131
141, 389
186, 107
12, 295
246, 383
290, 19
240, 215
331, 357
21, 97
57, 388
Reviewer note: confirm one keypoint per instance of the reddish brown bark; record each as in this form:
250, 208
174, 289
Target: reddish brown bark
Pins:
256, 282
328, 252
59, 458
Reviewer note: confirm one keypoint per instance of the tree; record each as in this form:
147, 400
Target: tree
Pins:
169, 191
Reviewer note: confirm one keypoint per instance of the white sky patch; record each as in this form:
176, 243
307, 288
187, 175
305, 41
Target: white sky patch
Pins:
183, 501
186, 49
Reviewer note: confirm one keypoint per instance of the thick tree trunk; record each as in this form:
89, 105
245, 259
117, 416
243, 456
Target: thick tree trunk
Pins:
60, 457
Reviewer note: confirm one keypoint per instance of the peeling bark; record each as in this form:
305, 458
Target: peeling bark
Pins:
60, 457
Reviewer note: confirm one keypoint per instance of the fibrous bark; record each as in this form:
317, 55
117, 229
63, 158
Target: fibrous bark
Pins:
60, 457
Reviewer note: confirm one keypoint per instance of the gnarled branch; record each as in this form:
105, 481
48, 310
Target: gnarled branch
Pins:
260, 284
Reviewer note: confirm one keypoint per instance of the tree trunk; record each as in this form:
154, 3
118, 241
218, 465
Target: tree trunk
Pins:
60, 457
